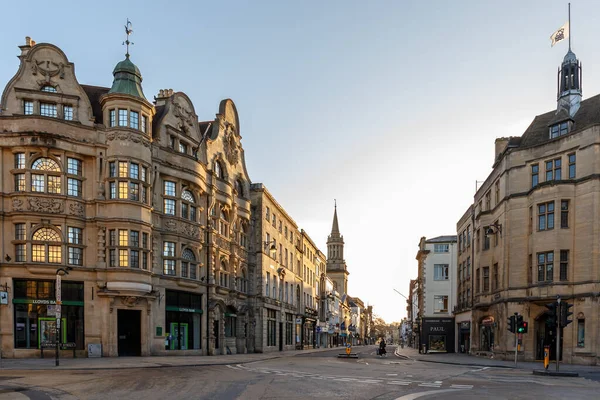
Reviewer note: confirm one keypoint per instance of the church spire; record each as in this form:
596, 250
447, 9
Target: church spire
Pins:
335, 230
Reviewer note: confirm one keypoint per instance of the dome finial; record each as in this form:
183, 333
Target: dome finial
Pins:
128, 31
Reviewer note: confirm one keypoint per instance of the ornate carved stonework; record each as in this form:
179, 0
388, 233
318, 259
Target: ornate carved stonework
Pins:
132, 137
76, 209
181, 228
230, 146
186, 117
47, 69
17, 205
131, 301
45, 205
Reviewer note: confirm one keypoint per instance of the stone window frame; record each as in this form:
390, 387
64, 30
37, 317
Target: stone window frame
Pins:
53, 249
24, 162
31, 101
120, 176
546, 212
131, 118
122, 245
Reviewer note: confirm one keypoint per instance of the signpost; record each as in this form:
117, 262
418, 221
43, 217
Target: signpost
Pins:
58, 314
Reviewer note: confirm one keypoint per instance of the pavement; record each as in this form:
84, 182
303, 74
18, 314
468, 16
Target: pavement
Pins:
102, 363
479, 361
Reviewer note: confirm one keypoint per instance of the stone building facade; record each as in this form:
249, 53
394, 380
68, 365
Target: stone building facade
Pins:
535, 231
276, 264
144, 208
464, 282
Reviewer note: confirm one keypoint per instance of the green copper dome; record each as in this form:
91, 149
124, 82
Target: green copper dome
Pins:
128, 79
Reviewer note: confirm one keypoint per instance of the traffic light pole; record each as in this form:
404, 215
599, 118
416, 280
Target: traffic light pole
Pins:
516, 341
558, 314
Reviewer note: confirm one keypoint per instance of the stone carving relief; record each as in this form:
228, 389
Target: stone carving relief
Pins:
131, 301
186, 117
17, 205
182, 228
48, 69
45, 205
132, 137
230, 146
76, 209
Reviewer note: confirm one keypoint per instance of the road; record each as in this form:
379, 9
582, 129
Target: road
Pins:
318, 375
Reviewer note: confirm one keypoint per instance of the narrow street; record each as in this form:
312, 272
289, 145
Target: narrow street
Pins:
316, 375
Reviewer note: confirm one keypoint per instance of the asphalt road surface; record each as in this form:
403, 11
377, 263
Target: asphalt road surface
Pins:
318, 375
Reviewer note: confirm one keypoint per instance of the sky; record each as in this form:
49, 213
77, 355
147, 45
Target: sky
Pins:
389, 107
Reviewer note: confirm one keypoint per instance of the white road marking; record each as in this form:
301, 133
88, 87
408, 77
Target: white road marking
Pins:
399, 383
414, 396
462, 386
425, 384
232, 367
392, 374
370, 381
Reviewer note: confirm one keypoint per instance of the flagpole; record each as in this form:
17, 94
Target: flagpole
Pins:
569, 26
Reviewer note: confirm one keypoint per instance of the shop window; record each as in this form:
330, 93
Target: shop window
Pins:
35, 313
183, 320
271, 327
581, 333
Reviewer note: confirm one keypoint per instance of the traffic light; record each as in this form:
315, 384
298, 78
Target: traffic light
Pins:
552, 314
512, 323
565, 314
521, 325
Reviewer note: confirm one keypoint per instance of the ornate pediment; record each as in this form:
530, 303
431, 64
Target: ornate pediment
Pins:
230, 146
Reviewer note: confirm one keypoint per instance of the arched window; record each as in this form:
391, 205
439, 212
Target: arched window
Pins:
224, 275
223, 224
243, 234
188, 208
50, 180
46, 246
218, 170
239, 187
188, 264
48, 88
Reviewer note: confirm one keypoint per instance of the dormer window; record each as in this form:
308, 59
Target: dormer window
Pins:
49, 89
559, 130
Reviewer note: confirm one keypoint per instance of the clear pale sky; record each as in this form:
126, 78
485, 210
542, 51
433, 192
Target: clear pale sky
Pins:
390, 107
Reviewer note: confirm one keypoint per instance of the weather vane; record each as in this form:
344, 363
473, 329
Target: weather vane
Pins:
128, 31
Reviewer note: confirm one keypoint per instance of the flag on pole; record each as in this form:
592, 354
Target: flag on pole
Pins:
561, 34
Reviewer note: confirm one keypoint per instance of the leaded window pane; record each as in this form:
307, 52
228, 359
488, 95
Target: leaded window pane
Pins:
20, 182
123, 237
74, 235
122, 117
123, 169
45, 164
123, 190
54, 254
134, 119
75, 256
48, 110
20, 160
169, 188
74, 166
123, 258
134, 171
188, 255
68, 113
46, 235
187, 196
54, 184
73, 187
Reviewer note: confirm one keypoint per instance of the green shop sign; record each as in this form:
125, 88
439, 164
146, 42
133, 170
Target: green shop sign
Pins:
184, 309
47, 302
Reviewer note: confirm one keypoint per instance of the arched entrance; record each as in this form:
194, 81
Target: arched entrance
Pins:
545, 335
230, 330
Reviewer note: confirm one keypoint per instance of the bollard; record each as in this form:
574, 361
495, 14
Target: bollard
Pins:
424, 349
546, 356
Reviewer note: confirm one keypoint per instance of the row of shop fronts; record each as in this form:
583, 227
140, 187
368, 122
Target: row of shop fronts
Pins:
123, 325
163, 322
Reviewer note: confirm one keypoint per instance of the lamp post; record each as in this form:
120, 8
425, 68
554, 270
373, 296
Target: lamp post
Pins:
58, 290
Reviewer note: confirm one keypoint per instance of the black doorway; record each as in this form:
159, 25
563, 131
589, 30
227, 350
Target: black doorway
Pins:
216, 333
129, 333
546, 336
281, 336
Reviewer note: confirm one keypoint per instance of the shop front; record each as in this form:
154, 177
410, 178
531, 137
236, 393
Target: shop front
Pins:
35, 314
464, 336
308, 339
437, 335
486, 334
184, 321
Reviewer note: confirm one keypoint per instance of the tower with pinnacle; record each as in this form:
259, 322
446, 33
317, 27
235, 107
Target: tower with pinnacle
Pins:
336, 265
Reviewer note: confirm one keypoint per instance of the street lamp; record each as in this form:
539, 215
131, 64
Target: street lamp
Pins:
270, 245
58, 310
